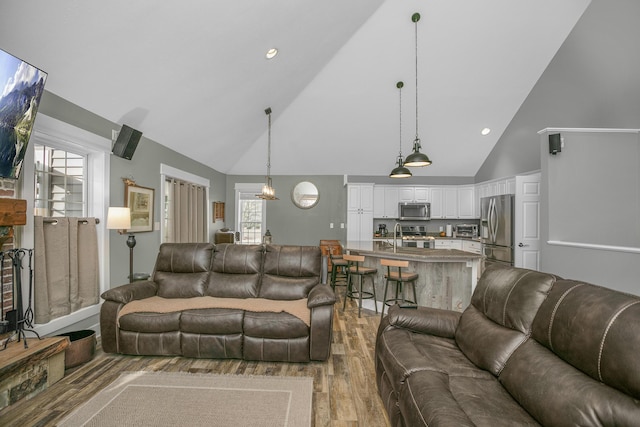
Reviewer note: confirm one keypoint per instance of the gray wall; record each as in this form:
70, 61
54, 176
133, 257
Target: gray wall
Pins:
613, 269
593, 81
144, 168
290, 225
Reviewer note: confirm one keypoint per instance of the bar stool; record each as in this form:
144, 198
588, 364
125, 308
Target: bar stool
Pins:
338, 270
399, 278
354, 269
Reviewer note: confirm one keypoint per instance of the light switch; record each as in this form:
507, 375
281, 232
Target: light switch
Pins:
330, 225
342, 225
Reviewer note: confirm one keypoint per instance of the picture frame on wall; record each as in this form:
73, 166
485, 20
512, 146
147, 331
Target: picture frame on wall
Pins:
140, 201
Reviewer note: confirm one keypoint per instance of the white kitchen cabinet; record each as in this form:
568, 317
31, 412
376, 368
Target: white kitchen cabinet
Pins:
360, 196
359, 212
472, 246
378, 201
466, 202
385, 201
359, 226
390, 202
448, 244
413, 194
444, 202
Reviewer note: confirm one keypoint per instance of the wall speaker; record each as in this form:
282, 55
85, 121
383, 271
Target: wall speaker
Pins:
555, 144
126, 142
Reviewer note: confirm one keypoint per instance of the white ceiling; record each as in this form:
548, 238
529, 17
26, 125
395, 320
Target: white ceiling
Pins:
191, 75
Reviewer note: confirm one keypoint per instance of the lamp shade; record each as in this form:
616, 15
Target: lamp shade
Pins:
119, 219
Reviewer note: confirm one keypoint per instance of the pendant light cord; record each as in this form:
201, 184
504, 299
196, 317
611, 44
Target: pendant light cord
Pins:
399, 86
269, 144
415, 20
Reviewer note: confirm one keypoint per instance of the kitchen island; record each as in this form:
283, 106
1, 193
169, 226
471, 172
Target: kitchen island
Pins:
446, 280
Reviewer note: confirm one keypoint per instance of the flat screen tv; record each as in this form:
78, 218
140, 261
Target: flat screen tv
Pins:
21, 87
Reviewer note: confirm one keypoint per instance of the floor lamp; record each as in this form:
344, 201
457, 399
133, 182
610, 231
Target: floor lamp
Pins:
120, 219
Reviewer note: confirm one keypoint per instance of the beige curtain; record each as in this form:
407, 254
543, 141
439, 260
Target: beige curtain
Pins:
187, 212
65, 266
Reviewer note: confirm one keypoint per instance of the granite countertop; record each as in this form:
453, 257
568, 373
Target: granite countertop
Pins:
417, 254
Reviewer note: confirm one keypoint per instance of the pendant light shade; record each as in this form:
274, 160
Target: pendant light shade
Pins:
268, 193
400, 171
417, 159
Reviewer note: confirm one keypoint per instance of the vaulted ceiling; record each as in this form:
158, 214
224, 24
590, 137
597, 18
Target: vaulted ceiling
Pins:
192, 74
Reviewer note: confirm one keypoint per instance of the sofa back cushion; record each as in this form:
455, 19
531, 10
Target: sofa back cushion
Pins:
500, 315
181, 269
581, 365
290, 271
235, 271
594, 329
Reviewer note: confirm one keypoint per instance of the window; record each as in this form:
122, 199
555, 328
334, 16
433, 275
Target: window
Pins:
59, 182
185, 204
250, 214
66, 173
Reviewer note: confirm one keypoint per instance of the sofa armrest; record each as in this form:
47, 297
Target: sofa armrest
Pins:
321, 294
425, 320
132, 291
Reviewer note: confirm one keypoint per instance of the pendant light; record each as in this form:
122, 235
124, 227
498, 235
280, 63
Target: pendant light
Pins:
268, 193
417, 158
400, 171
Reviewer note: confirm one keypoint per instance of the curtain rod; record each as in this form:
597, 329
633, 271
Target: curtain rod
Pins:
55, 221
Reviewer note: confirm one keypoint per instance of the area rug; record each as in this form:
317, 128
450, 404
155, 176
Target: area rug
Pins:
174, 399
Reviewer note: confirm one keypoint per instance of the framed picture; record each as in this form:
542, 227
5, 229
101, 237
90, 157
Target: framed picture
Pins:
140, 201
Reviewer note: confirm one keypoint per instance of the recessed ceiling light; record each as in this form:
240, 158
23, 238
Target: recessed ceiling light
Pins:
485, 131
271, 53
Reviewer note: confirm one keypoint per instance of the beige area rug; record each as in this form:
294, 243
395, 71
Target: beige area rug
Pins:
183, 399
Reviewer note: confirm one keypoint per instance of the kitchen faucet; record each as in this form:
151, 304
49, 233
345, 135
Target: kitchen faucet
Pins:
396, 228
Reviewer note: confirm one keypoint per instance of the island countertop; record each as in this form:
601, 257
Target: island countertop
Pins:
382, 250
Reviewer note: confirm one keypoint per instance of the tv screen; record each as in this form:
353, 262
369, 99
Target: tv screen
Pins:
21, 87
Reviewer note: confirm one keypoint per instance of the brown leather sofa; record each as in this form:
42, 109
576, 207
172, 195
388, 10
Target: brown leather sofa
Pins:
252, 302
531, 349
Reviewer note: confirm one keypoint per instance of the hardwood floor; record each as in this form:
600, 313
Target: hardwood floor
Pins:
345, 392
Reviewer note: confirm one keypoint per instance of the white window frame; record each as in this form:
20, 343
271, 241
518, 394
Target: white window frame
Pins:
167, 171
54, 133
255, 188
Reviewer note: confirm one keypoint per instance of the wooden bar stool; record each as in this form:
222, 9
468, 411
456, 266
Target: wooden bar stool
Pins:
399, 278
355, 269
338, 270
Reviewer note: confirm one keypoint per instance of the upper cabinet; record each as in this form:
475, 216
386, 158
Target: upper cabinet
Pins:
413, 194
466, 202
360, 197
444, 202
385, 201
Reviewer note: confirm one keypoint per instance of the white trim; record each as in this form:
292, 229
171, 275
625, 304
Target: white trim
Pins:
62, 135
628, 249
588, 130
180, 174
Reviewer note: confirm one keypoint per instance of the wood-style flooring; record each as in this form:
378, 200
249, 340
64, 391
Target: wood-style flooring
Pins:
345, 392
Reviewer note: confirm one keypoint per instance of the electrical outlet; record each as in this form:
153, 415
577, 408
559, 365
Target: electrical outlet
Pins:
330, 225
342, 225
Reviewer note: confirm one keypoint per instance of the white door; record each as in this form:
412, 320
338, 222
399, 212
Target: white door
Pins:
527, 222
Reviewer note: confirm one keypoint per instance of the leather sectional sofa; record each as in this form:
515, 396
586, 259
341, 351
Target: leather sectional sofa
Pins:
251, 302
531, 349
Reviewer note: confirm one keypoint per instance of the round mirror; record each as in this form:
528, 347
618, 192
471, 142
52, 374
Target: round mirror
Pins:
305, 195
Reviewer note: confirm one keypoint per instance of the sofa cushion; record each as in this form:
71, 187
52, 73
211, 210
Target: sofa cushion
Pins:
182, 269
558, 394
432, 398
501, 313
212, 321
150, 322
595, 330
290, 272
274, 325
235, 271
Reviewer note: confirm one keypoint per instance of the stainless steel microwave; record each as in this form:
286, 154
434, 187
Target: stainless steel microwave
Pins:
414, 211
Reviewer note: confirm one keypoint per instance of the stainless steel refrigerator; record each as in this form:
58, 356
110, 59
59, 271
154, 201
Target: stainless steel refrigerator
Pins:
496, 228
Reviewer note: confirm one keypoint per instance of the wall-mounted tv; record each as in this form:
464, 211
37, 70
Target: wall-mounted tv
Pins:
21, 87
